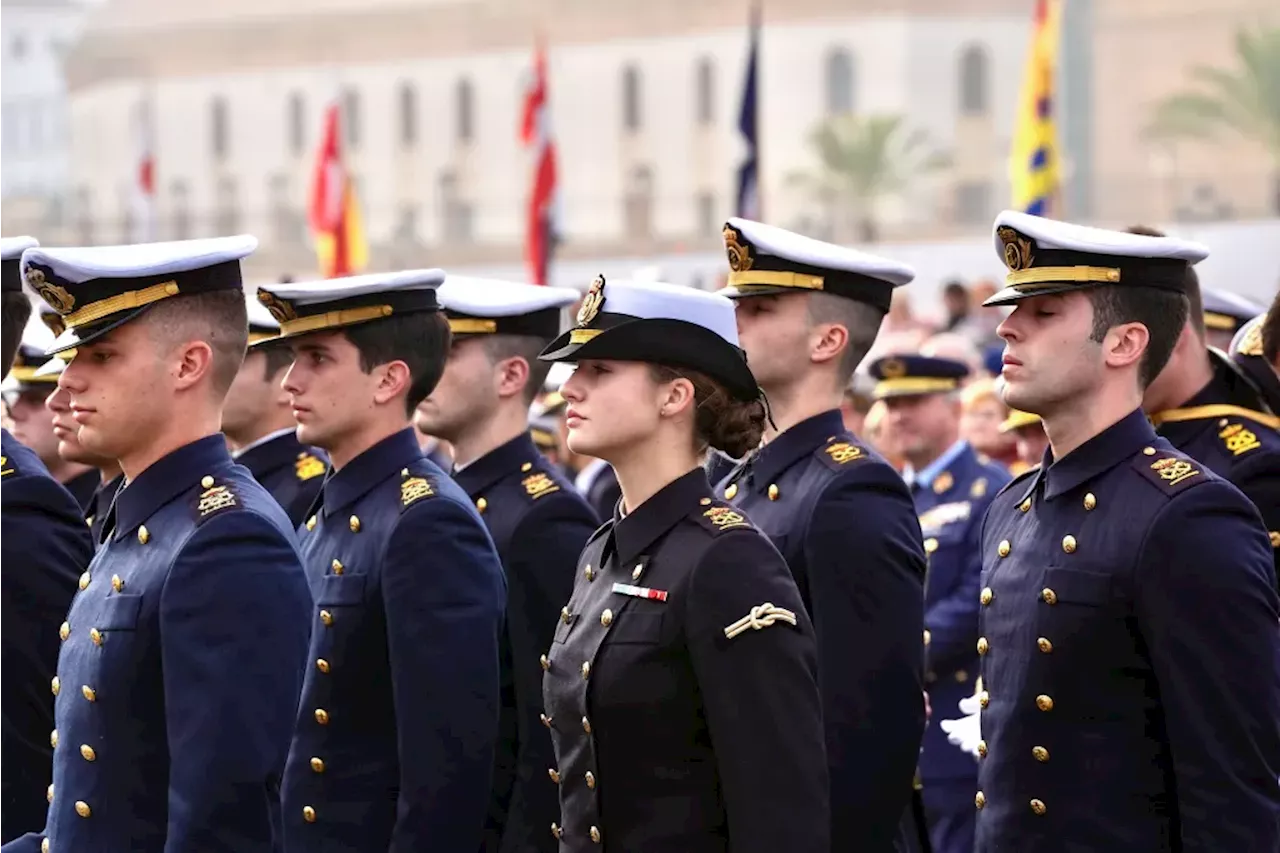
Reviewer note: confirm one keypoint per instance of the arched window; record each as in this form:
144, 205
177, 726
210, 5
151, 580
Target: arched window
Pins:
638, 202
351, 118
297, 120
973, 81
408, 115
840, 81
631, 117
464, 107
706, 91
218, 130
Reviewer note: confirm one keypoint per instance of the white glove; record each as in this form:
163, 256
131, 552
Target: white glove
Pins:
965, 732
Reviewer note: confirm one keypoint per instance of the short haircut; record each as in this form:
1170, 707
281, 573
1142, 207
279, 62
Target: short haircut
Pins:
956, 288
16, 311
1271, 331
1195, 302
860, 320
278, 357
218, 318
499, 347
420, 339
1163, 312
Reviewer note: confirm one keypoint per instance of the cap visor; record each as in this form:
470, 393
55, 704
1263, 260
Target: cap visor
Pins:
742, 291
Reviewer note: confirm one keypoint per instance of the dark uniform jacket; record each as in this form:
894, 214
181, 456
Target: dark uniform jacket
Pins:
290, 470
1222, 426
539, 524
83, 486
1129, 657
394, 743
844, 521
99, 508
599, 485
181, 661
45, 547
681, 689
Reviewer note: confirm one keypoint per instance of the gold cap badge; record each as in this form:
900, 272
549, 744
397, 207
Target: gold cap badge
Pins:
739, 254
1018, 253
282, 311
592, 301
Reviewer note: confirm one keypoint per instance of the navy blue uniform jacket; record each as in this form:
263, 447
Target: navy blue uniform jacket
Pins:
290, 470
99, 508
394, 742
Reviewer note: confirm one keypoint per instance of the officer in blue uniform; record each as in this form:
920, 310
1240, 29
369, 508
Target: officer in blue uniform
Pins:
1128, 620
1256, 357
808, 312
538, 522
952, 486
393, 747
45, 547
259, 423
183, 651
1224, 312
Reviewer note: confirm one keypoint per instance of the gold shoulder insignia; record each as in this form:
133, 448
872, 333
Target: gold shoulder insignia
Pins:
760, 617
215, 499
1275, 538
1238, 439
979, 488
943, 483
308, 466
539, 484
721, 517
1252, 342
1171, 473
5, 471
414, 489
842, 453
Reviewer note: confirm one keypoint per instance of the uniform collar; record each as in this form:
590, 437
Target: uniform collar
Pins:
930, 472
168, 477
370, 468
271, 451
1227, 394
798, 441
500, 462
641, 527
266, 439
1120, 441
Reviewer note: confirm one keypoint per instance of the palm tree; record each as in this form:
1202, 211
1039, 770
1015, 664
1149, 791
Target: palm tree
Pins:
863, 159
1244, 100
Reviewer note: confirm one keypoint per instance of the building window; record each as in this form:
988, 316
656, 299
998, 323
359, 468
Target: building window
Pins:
408, 115
840, 82
455, 214
227, 216
18, 47
464, 110
631, 117
218, 128
406, 231
973, 81
297, 124
973, 202
286, 219
129, 204
638, 203
351, 118
706, 91
180, 210
84, 216
708, 222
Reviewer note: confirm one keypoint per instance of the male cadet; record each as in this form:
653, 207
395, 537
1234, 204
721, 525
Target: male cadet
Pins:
259, 424
1224, 312
1208, 409
1256, 351
44, 545
26, 388
537, 520
394, 743
183, 652
1129, 640
952, 487
808, 313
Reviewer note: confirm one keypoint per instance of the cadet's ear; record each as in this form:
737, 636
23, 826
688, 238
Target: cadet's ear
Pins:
193, 361
394, 379
678, 395
1124, 344
827, 341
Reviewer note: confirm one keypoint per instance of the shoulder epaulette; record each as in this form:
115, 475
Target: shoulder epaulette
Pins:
837, 453
1237, 438
720, 517
214, 499
538, 484
1171, 472
308, 465
413, 488
979, 488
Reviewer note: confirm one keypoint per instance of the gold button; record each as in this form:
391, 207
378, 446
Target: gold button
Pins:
565, 615
546, 721
1003, 548
308, 814
637, 571
311, 523
556, 830
116, 583
586, 725
404, 472
317, 765
55, 685
1090, 501
730, 492
1038, 806
44, 846
206, 482
1069, 544
1040, 753
595, 834
322, 716
1045, 645
87, 752
82, 808
354, 523
927, 636
97, 636
89, 693
986, 595
586, 668
554, 774
322, 665
591, 780
1044, 702
526, 466
962, 676
53, 738
705, 502
1049, 596
982, 749
589, 573
773, 491
481, 505
326, 618
606, 618
48, 794
144, 535
983, 645
1149, 451
336, 567
979, 799
546, 663
84, 580
930, 545
984, 698
64, 630
1025, 506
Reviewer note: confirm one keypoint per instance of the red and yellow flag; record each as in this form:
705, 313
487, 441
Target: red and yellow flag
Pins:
334, 212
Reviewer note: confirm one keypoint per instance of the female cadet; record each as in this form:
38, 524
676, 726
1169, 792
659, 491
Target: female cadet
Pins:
681, 688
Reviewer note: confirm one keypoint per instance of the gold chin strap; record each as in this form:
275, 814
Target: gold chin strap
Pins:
333, 319
1020, 279
581, 336
745, 279
472, 326
120, 302
913, 385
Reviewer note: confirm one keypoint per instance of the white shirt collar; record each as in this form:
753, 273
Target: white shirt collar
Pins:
271, 436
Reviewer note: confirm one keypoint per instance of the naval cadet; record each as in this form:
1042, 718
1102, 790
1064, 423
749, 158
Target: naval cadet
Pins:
681, 685
25, 390
1256, 351
538, 522
1128, 621
952, 486
808, 313
1210, 410
44, 546
393, 747
259, 424
1224, 312
183, 651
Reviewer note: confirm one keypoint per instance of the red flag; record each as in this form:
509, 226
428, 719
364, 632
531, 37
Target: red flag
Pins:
144, 183
535, 132
334, 213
